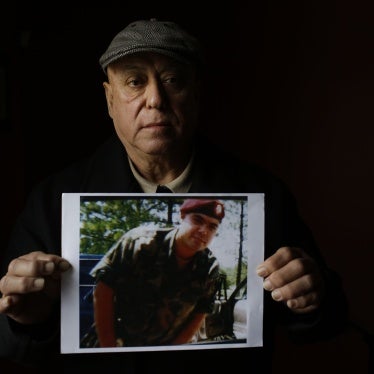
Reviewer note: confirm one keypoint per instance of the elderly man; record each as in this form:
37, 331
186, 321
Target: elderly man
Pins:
152, 91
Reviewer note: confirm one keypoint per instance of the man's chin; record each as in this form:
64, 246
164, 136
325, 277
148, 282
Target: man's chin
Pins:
160, 147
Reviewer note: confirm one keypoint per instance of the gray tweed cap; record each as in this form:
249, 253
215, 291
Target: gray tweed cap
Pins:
152, 35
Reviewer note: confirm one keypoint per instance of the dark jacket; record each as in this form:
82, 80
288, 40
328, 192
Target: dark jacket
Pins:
39, 228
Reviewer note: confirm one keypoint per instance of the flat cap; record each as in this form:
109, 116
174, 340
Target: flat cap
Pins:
152, 35
212, 208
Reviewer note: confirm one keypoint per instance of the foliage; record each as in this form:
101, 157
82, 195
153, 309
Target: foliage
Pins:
105, 220
231, 275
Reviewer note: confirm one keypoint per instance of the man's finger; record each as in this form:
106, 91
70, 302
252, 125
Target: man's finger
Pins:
30, 268
294, 270
20, 285
5, 303
279, 259
304, 304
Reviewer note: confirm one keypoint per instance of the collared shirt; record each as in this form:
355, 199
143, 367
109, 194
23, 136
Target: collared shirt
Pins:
181, 184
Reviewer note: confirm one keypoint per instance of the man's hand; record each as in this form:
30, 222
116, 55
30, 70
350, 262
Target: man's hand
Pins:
294, 278
31, 286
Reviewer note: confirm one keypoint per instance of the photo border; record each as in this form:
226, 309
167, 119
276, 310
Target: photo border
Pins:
70, 305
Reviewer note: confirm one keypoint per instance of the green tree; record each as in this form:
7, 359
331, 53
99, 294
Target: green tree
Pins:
105, 220
232, 239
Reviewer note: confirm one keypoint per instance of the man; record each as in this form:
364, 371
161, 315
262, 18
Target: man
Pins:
155, 286
152, 92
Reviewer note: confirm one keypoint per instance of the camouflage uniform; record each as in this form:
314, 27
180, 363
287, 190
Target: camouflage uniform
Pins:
154, 299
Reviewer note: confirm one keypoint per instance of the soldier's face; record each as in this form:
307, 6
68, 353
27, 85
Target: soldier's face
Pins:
197, 231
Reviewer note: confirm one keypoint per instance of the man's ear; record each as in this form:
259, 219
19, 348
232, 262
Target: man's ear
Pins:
109, 97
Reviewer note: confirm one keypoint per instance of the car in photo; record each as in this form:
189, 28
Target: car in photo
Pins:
228, 320
86, 288
226, 323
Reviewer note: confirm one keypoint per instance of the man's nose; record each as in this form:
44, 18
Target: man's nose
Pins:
155, 95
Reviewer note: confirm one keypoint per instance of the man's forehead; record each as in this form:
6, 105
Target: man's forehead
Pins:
205, 217
142, 60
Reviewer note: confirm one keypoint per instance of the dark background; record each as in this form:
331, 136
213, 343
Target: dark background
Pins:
290, 87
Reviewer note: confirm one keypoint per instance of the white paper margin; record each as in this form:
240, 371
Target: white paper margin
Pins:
70, 231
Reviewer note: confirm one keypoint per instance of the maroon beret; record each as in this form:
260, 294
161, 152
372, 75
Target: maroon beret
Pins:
212, 208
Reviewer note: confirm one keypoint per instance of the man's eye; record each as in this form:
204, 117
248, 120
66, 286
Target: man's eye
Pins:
197, 220
173, 80
212, 227
133, 82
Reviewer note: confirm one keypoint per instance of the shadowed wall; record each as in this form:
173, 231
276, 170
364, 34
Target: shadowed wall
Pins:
290, 88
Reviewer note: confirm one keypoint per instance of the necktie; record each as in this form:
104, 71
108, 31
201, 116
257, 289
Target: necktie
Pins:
163, 189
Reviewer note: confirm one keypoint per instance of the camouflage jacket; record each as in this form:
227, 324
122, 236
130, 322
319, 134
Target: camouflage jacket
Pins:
155, 299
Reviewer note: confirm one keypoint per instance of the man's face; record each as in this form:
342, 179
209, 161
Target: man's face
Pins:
196, 232
153, 102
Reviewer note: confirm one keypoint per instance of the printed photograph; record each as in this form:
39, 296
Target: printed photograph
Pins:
162, 271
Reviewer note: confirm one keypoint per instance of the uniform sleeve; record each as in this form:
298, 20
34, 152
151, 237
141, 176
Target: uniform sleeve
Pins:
108, 268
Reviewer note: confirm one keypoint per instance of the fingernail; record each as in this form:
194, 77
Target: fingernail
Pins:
276, 295
267, 285
39, 283
261, 271
48, 267
63, 265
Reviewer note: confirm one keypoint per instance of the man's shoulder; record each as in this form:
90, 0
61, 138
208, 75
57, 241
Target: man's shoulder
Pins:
147, 234
105, 170
218, 168
145, 239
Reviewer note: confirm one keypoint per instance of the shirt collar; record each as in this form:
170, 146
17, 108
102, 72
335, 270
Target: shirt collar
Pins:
181, 184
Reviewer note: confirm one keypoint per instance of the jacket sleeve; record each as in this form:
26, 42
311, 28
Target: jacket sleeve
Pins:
287, 228
36, 229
